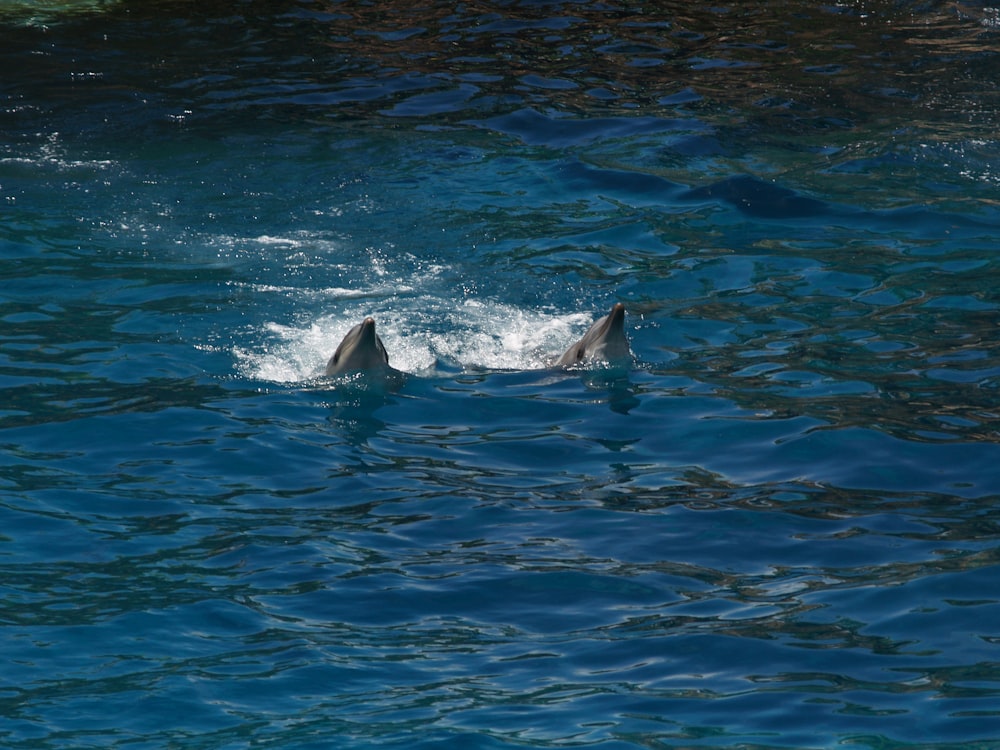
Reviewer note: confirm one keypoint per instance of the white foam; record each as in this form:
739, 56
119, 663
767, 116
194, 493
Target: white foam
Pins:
493, 335
426, 318
474, 334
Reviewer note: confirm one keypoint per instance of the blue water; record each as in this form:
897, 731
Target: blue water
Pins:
778, 528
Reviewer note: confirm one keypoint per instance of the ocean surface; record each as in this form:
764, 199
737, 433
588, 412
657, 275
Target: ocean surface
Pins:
777, 527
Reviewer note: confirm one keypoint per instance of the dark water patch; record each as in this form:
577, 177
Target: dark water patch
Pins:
760, 199
537, 129
314, 60
631, 186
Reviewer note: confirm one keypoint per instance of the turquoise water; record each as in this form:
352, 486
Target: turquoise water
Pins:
778, 528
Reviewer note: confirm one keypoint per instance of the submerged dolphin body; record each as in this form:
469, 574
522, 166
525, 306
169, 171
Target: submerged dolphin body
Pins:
605, 341
361, 349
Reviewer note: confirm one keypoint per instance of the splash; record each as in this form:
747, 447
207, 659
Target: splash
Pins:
430, 318
423, 338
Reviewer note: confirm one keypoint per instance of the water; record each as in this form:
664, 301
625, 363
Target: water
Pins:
778, 528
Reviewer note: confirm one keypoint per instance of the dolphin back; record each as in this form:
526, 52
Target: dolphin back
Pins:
360, 350
606, 341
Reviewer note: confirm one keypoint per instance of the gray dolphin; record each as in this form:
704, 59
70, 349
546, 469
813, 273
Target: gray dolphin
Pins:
361, 349
605, 341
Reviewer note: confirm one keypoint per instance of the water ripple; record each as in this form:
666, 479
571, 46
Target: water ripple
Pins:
777, 528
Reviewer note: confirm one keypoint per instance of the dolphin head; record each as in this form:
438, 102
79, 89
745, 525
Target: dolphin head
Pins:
361, 349
605, 341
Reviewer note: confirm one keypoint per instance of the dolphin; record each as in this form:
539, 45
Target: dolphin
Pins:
605, 341
361, 349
